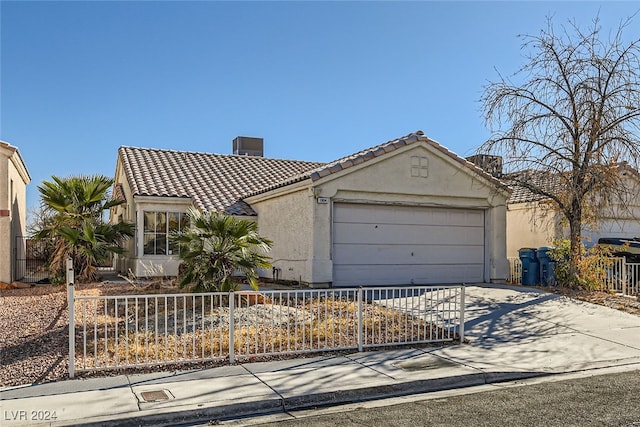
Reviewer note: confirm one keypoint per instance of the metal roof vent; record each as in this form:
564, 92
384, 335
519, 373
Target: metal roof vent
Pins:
248, 146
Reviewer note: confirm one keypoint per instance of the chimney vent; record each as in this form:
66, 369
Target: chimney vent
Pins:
489, 163
248, 146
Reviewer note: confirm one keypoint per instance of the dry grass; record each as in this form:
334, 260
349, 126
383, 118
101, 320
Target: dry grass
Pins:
195, 328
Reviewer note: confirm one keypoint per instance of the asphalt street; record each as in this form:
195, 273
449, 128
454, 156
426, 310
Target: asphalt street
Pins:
594, 400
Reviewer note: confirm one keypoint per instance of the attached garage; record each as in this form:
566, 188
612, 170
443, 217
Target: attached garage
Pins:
405, 212
402, 245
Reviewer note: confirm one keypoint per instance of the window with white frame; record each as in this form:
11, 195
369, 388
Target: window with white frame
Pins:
158, 227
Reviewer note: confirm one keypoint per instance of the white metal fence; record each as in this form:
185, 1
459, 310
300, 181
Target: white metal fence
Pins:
108, 332
515, 270
623, 277
620, 276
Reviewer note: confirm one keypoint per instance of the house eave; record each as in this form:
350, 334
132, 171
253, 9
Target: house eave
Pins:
16, 159
173, 200
280, 191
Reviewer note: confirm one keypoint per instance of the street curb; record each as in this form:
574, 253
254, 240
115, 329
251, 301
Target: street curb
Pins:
171, 416
340, 397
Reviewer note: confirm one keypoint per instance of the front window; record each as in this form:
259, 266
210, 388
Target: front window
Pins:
157, 228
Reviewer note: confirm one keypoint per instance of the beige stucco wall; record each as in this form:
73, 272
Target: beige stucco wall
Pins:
530, 225
124, 212
14, 178
134, 261
287, 218
388, 180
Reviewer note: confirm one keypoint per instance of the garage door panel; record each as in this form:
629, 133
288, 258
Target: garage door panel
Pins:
406, 234
407, 254
396, 245
382, 275
380, 214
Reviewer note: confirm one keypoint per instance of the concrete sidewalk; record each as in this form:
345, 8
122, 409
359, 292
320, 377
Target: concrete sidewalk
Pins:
513, 333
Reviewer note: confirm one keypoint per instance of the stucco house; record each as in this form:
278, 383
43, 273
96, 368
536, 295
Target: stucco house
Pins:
407, 211
532, 223
14, 178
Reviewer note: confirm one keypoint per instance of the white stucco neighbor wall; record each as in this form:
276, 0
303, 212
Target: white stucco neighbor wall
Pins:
388, 179
14, 178
621, 218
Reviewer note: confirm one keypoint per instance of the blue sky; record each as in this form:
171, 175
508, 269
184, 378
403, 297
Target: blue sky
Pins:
316, 80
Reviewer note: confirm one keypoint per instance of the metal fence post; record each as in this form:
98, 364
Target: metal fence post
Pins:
625, 275
461, 321
72, 318
360, 326
232, 341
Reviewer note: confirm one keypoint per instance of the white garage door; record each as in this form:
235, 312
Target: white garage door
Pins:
401, 245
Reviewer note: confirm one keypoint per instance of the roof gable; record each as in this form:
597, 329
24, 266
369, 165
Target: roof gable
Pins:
212, 181
377, 151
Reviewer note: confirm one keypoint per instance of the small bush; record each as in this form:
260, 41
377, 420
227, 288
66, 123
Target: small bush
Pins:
590, 270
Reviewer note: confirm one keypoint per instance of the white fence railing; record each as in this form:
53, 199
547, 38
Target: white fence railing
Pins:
619, 275
623, 277
515, 270
109, 332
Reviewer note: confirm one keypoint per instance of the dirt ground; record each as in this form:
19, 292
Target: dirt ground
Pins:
619, 302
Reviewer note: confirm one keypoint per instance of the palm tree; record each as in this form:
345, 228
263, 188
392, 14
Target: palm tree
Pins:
73, 209
215, 247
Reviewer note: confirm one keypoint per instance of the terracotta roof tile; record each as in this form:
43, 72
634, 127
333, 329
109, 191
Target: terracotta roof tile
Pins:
212, 181
549, 182
220, 182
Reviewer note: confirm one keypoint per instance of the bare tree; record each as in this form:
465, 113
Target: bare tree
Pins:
568, 121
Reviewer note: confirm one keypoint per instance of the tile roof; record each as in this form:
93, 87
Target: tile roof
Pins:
549, 182
523, 195
376, 151
212, 181
220, 182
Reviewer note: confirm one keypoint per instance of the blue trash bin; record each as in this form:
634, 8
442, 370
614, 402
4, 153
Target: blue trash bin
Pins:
547, 266
530, 266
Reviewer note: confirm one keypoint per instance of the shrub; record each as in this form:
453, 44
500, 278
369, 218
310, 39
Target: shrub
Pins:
590, 269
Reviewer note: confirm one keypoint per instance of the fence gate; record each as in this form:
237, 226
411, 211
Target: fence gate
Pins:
30, 259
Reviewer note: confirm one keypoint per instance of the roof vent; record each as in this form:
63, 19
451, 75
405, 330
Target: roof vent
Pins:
248, 146
488, 163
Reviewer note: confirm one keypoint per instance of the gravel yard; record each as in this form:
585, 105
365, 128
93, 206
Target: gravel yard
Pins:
34, 338
34, 329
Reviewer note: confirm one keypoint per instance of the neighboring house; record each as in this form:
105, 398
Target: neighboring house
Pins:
532, 222
14, 178
408, 211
